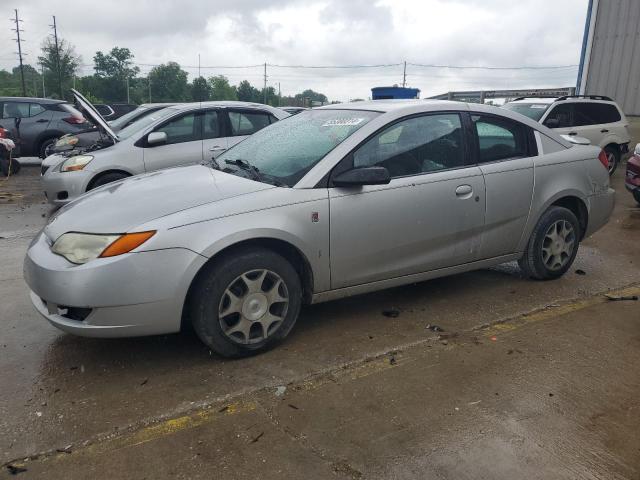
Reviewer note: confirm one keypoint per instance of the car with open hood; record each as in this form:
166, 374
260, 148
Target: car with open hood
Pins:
93, 135
179, 135
332, 202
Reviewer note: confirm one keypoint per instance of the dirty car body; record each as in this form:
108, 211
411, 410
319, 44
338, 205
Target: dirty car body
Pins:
329, 203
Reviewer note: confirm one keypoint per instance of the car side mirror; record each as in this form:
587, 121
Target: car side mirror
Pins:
552, 123
362, 176
156, 138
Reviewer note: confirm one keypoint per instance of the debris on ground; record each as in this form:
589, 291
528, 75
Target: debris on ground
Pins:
392, 360
224, 409
615, 298
435, 328
580, 272
391, 312
66, 449
493, 339
280, 390
144, 382
257, 438
15, 469
291, 405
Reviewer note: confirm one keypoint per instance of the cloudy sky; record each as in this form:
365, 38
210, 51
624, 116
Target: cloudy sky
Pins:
479, 33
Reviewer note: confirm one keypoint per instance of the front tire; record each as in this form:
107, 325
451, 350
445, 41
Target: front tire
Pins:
103, 179
44, 147
246, 302
553, 245
613, 156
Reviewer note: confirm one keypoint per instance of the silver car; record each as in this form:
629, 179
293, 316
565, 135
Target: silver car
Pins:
179, 135
335, 201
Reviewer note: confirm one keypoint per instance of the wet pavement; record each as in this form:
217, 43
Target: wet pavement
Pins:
351, 393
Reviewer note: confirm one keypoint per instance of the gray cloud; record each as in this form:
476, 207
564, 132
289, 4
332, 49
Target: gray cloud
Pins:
325, 32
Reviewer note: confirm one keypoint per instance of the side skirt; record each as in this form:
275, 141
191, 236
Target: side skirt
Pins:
414, 278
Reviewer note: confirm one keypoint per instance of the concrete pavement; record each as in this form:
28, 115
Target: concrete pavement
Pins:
366, 396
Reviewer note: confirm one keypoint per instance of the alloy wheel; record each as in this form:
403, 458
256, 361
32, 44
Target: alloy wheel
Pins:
611, 158
557, 245
253, 306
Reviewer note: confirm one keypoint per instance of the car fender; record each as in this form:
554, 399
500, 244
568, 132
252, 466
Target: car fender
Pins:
610, 138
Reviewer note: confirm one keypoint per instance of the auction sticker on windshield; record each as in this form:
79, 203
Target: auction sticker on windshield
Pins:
343, 122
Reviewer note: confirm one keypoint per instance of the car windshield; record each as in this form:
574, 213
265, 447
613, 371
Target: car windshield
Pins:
145, 122
120, 122
285, 151
531, 110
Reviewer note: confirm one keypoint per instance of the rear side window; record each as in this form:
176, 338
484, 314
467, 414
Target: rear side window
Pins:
561, 113
15, 110
594, 113
499, 138
247, 123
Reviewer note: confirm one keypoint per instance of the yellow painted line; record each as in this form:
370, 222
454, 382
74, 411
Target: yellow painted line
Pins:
555, 311
162, 429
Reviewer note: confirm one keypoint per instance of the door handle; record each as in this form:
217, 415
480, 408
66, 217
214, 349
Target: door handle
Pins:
42, 120
464, 191
217, 148
604, 130
573, 134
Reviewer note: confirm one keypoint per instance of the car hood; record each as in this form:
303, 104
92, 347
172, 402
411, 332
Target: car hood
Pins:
122, 206
94, 115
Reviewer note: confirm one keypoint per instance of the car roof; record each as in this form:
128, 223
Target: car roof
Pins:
31, 100
547, 100
391, 105
223, 104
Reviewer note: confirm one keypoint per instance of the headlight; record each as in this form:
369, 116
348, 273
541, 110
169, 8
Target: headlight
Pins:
82, 247
77, 162
67, 140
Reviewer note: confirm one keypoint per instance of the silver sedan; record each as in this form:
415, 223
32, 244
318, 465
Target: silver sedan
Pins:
332, 202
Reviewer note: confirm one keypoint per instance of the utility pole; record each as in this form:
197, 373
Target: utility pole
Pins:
44, 93
128, 90
55, 36
19, 40
279, 95
149, 83
265, 83
404, 75
199, 75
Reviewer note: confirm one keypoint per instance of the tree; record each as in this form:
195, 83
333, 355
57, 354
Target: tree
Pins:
58, 74
221, 89
117, 63
168, 83
312, 96
247, 92
200, 90
11, 86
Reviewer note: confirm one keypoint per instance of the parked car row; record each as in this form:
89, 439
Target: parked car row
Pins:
332, 202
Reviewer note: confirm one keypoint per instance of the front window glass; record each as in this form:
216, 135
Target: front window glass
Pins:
247, 123
182, 129
211, 124
531, 110
414, 146
15, 110
35, 109
560, 116
288, 149
144, 122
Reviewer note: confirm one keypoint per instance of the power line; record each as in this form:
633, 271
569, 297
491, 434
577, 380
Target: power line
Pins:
463, 67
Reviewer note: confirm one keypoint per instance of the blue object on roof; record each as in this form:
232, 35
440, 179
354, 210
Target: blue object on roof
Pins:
384, 93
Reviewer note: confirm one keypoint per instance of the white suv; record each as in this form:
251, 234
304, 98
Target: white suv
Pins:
594, 117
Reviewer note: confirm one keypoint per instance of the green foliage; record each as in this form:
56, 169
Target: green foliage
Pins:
169, 83
221, 89
11, 85
117, 63
200, 90
248, 93
69, 62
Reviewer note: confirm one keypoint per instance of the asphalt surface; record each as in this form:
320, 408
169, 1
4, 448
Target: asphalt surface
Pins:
528, 380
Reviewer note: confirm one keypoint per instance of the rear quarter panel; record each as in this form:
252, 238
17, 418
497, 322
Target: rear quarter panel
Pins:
572, 172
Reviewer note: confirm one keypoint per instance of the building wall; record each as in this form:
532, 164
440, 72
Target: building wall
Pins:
612, 61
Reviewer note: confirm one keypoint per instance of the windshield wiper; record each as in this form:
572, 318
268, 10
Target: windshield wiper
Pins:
255, 172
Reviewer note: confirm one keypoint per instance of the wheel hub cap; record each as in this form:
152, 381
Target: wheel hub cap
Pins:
255, 306
558, 245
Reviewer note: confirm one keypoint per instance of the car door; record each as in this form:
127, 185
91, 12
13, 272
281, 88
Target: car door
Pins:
429, 216
504, 152
26, 121
183, 145
214, 139
245, 122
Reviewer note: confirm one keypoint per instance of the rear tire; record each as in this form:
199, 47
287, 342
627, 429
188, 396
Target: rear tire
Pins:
613, 156
103, 179
245, 302
553, 245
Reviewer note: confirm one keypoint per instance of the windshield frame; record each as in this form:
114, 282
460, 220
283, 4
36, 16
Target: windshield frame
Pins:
230, 161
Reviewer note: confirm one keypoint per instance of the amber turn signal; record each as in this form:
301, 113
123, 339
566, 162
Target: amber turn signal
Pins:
126, 243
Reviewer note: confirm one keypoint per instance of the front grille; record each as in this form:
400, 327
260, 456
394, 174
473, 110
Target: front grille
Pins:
43, 169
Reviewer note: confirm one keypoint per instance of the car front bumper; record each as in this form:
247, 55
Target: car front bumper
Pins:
62, 187
133, 294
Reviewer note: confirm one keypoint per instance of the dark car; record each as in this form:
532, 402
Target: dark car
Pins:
36, 123
114, 111
632, 179
91, 135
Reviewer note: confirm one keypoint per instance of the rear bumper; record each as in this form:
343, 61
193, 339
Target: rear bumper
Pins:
600, 209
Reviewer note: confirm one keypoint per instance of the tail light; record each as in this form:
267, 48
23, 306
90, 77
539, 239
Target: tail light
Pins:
2, 132
603, 159
74, 120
